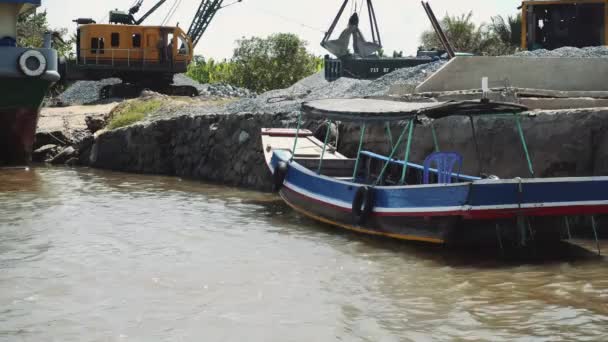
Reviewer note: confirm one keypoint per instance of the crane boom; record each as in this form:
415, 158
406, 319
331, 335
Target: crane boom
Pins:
205, 13
127, 18
152, 10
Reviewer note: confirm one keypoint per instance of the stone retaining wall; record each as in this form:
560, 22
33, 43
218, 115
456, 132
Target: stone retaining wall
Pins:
227, 148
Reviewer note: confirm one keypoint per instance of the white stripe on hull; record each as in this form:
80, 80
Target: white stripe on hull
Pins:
464, 209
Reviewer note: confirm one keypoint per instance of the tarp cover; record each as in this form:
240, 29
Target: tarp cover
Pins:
388, 110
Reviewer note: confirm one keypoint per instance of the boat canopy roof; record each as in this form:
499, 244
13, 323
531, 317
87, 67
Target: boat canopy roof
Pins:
374, 110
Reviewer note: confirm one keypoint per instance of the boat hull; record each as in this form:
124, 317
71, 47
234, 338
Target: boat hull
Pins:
19, 109
481, 213
21, 97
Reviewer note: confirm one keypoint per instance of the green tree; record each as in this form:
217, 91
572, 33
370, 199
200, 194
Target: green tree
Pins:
31, 28
259, 64
278, 61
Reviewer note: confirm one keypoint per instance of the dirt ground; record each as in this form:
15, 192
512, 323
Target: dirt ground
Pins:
63, 119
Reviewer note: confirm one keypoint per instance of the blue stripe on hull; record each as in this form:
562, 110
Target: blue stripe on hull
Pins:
461, 199
572, 190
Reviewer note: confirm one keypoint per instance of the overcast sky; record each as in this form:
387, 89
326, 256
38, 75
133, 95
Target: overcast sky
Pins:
400, 21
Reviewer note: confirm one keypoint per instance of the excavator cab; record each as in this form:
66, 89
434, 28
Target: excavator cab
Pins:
157, 49
554, 24
142, 57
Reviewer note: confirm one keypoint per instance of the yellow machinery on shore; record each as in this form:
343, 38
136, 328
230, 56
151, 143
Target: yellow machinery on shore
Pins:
551, 24
143, 57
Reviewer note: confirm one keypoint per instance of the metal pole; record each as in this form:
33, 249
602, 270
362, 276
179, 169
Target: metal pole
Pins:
407, 150
373, 11
389, 134
324, 146
371, 20
435, 141
359, 152
335, 22
568, 227
295, 142
597, 241
393, 152
523, 142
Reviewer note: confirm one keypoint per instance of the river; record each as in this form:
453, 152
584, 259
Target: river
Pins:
88, 255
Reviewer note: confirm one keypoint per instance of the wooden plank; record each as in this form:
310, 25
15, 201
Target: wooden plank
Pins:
285, 132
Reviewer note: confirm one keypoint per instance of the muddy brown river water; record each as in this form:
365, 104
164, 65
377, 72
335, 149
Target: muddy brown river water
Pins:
89, 255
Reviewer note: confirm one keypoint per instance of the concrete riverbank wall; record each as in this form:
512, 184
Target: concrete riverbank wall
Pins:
227, 148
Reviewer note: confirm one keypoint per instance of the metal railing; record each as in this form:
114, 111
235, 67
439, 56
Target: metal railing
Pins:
134, 57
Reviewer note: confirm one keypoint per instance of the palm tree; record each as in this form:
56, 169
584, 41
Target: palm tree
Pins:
508, 31
499, 38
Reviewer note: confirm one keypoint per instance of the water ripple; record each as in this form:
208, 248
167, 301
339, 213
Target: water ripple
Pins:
88, 255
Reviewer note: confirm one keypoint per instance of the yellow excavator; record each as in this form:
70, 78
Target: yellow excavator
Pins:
550, 24
143, 57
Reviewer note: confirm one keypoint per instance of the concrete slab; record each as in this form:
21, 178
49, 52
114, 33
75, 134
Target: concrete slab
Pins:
563, 74
573, 103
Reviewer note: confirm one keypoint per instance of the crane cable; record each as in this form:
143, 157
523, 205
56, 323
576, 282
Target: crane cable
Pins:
230, 4
171, 12
290, 20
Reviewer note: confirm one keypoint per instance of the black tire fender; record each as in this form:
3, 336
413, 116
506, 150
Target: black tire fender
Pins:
278, 176
363, 203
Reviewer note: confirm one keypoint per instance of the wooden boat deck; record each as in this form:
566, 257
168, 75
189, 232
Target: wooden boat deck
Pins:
308, 150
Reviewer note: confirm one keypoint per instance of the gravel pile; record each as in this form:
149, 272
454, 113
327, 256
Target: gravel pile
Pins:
588, 52
87, 92
315, 87
215, 90
84, 92
406, 77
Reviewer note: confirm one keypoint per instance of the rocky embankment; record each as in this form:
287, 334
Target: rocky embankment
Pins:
221, 142
65, 135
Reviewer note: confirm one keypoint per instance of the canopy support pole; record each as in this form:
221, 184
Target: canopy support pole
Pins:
435, 141
477, 152
407, 150
295, 142
523, 142
393, 152
389, 134
597, 241
324, 146
359, 152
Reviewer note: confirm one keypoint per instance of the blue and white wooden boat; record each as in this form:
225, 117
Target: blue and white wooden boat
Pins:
431, 202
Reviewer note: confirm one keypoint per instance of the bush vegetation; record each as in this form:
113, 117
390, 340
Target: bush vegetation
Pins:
133, 111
